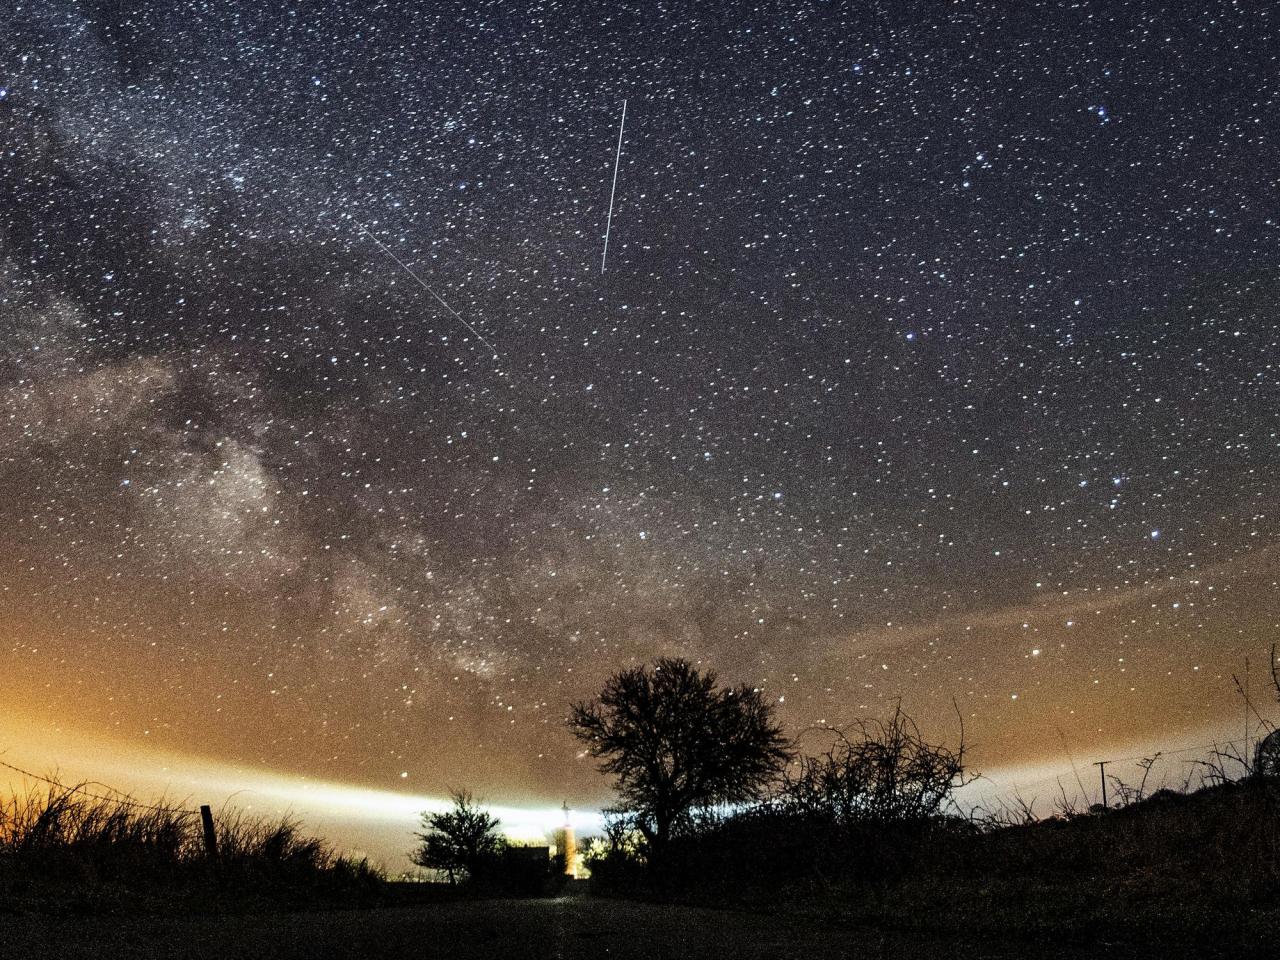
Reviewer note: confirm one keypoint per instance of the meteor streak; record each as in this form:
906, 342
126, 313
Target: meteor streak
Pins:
616, 160
425, 286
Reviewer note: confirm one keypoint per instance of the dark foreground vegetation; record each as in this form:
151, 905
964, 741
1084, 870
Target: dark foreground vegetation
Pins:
1173, 871
1175, 874
64, 850
856, 850
868, 831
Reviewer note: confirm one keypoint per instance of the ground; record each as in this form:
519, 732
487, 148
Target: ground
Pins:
562, 929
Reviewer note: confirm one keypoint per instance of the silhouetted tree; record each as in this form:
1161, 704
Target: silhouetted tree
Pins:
460, 840
675, 742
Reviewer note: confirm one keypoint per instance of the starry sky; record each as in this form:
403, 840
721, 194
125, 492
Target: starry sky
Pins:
935, 356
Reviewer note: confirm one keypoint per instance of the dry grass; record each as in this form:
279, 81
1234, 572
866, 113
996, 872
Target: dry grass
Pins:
62, 847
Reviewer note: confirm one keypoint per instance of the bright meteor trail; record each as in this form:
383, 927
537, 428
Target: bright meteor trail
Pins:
616, 160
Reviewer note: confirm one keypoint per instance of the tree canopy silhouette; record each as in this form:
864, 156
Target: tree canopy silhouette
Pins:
459, 840
676, 742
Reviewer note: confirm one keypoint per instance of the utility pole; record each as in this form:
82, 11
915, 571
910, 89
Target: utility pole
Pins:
1102, 773
1247, 705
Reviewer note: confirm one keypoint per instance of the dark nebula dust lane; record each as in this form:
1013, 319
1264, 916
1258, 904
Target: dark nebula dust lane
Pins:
936, 357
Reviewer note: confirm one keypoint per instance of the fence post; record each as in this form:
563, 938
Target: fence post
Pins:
210, 834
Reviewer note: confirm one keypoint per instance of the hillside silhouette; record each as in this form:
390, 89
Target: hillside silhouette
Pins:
860, 844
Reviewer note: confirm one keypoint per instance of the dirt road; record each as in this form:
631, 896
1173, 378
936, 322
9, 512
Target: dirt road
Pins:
562, 929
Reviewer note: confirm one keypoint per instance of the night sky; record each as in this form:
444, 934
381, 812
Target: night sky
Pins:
936, 355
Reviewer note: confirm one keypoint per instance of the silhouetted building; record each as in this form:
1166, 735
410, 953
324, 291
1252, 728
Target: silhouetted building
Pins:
526, 870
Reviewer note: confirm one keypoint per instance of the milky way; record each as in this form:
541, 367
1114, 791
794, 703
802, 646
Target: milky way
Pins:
936, 356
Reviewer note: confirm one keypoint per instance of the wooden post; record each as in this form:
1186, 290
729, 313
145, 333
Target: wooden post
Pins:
1102, 772
210, 834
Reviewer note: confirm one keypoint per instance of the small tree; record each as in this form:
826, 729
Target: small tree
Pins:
675, 742
460, 840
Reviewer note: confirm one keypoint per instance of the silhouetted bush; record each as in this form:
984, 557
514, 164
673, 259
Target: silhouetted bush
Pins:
462, 842
617, 860
876, 772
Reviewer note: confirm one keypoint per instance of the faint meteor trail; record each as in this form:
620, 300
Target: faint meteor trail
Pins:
616, 160
425, 286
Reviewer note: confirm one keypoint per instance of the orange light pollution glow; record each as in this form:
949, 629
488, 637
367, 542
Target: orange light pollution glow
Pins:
114, 723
